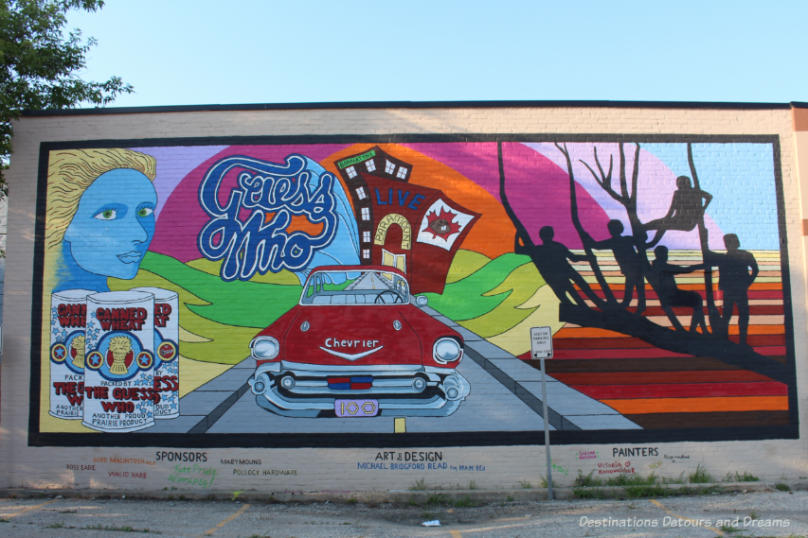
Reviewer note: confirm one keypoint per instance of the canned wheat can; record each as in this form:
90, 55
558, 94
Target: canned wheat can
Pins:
119, 393
67, 321
167, 351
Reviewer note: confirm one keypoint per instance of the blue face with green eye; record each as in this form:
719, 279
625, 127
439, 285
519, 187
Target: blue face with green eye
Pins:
111, 230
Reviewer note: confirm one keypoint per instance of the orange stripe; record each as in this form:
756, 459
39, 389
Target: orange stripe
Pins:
756, 286
641, 406
575, 331
591, 332
758, 329
587, 332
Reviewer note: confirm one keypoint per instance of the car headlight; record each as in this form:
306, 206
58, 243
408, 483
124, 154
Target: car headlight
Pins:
447, 350
265, 347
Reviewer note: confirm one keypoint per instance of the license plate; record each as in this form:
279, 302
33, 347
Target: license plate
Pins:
356, 408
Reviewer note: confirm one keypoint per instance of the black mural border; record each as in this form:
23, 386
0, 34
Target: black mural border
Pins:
410, 439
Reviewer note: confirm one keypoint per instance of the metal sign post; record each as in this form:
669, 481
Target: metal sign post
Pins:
541, 347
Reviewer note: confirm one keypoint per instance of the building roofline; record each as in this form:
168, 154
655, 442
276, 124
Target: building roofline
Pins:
418, 105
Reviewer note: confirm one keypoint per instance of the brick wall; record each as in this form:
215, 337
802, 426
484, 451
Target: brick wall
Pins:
631, 415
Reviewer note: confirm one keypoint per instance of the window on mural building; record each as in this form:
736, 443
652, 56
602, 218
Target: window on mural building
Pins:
351, 171
360, 193
402, 172
370, 165
389, 167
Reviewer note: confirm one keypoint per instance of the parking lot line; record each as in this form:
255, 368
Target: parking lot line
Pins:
663, 508
29, 509
227, 520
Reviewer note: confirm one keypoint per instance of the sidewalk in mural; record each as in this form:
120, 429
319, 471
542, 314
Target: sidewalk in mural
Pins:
225, 405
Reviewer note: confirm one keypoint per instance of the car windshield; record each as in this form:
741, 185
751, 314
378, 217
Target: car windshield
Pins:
375, 287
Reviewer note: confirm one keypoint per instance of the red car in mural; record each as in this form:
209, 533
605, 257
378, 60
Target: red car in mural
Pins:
358, 345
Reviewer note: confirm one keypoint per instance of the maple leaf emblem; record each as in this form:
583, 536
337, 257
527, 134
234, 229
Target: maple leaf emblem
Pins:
441, 224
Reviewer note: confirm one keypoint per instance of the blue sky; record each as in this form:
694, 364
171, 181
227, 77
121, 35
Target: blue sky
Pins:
185, 52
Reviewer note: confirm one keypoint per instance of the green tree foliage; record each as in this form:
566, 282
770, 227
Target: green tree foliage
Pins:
38, 64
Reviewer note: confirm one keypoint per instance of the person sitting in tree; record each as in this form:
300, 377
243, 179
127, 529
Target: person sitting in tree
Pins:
686, 210
628, 257
550, 258
662, 276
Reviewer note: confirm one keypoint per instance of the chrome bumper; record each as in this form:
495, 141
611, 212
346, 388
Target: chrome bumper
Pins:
309, 397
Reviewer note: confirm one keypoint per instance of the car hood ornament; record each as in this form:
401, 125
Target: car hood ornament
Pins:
351, 356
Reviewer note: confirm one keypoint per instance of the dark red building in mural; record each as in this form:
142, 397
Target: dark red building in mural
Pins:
414, 228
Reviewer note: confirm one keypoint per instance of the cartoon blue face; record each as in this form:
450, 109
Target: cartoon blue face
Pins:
114, 224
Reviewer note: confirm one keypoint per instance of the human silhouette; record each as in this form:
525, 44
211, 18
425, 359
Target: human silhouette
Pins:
737, 270
550, 258
662, 275
628, 257
686, 210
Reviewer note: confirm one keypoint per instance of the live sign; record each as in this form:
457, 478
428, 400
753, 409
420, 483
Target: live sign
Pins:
541, 342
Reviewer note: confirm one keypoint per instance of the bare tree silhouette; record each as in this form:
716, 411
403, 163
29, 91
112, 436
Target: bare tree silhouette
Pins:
716, 322
610, 314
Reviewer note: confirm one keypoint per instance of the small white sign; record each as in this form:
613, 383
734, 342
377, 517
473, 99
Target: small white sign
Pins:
541, 343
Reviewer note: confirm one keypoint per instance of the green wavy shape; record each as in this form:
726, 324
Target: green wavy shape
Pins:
238, 303
519, 286
468, 298
465, 262
227, 315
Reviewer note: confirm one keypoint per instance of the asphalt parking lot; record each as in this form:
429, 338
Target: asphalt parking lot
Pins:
755, 513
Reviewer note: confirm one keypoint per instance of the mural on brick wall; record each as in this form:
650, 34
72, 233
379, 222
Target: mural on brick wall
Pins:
331, 291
